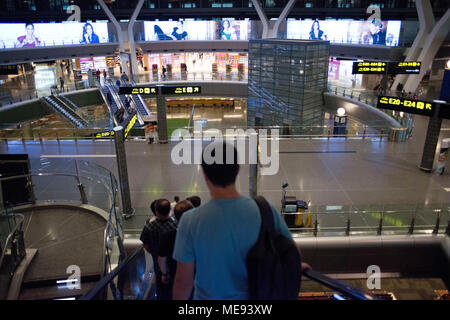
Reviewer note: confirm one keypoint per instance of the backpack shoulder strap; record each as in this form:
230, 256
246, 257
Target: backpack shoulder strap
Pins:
267, 221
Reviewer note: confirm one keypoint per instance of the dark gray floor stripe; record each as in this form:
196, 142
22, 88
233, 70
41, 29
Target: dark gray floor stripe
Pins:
317, 151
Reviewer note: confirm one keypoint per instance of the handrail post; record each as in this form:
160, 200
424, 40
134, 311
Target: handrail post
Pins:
411, 227
447, 231
80, 185
40, 137
30, 188
436, 227
316, 227
380, 225
347, 229
381, 135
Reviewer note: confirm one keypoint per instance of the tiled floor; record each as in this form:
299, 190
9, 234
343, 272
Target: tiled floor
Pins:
370, 174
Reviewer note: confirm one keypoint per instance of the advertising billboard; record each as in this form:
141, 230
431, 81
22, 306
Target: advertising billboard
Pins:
370, 32
197, 30
25, 35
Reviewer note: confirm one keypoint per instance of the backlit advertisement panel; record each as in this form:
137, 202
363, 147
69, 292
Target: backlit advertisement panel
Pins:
21, 35
197, 30
377, 32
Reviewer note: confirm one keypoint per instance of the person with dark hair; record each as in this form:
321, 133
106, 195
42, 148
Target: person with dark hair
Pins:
176, 199
150, 238
29, 39
167, 265
195, 200
315, 33
88, 34
214, 239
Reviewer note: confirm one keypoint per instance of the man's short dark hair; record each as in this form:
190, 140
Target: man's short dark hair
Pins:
195, 200
163, 207
181, 207
153, 206
176, 198
221, 174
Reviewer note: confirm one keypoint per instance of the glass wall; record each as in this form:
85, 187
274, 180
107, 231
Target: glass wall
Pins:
286, 82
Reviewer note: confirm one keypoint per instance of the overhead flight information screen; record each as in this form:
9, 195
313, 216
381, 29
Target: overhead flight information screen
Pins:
406, 67
406, 105
369, 67
138, 90
181, 90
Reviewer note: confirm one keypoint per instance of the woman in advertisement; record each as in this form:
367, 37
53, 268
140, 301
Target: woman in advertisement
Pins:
28, 40
227, 31
316, 33
88, 34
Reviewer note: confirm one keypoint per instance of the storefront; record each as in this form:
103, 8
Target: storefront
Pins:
198, 61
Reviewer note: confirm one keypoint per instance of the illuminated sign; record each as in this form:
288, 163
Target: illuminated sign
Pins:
9, 69
406, 105
138, 90
406, 67
110, 133
130, 125
104, 134
369, 32
369, 67
381, 67
181, 90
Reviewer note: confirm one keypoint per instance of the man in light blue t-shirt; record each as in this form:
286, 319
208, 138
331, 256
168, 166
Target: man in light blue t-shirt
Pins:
213, 240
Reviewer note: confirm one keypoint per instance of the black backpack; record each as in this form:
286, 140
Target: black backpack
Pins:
273, 263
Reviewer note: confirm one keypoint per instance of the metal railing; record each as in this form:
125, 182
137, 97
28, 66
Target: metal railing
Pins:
371, 220
345, 289
131, 279
93, 184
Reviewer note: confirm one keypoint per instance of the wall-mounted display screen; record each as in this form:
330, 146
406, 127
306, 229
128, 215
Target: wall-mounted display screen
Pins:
197, 30
21, 35
378, 32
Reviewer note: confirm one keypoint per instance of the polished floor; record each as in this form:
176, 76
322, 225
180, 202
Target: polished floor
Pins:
357, 174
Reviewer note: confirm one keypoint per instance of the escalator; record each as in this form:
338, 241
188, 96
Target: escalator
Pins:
113, 103
134, 279
65, 110
140, 105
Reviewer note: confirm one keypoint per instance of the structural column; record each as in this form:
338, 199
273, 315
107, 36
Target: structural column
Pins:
119, 139
123, 55
433, 42
431, 140
272, 31
133, 59
426, 24
162, 119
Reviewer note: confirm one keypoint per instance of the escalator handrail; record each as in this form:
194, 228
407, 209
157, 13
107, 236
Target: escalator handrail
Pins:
338, 286
17, 227
100, 285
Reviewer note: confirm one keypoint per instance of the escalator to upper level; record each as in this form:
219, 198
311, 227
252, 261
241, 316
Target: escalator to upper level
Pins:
139, 103
65, 110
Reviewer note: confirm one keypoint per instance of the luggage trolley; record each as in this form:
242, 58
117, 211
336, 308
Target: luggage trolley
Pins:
293, 210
